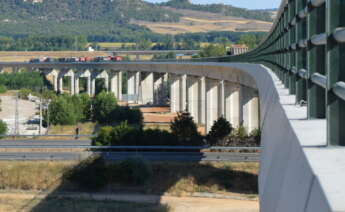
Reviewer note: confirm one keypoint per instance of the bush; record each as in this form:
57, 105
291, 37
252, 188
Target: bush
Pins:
132, 116
3, 128
24, 93
3, 89
184, 126
89, 174
104, 137
121, 131
103, 104
219, 131
135, 171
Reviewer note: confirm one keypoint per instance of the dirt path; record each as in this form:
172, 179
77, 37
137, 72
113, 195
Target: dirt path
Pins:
176, 204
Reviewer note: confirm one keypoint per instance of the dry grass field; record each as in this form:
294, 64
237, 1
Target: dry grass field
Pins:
177, 179
197, 21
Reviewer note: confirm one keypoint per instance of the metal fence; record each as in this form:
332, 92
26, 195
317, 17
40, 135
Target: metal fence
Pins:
306, 49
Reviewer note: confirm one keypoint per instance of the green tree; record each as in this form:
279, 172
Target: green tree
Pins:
62, 112
213, 51
144, 45
249, 40
184, 126
220, 129
103, 104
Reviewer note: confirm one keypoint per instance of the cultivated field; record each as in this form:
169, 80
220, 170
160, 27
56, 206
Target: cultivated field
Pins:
26, 56
197, 21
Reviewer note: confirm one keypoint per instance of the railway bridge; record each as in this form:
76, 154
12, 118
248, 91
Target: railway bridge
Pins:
292, 87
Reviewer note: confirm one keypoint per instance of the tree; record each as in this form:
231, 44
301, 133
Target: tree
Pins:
103, 104
3, 128
213, 51
249, 40
219, 131
144, 44
184, 126
62, 112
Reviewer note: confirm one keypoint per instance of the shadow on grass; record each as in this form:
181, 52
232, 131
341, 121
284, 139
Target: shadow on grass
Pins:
96, 185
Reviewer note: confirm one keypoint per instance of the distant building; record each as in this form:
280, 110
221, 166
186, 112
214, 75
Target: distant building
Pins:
236, 49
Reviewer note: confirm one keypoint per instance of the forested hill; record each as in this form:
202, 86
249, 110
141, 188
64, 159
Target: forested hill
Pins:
220, 9
118, 11
106, 20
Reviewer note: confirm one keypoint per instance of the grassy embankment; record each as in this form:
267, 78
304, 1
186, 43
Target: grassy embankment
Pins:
179, 179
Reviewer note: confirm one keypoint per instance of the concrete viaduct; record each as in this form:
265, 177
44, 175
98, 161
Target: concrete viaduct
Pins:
206, 91
294, 78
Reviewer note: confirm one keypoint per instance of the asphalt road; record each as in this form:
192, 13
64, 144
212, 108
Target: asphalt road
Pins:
47, 143
151, 156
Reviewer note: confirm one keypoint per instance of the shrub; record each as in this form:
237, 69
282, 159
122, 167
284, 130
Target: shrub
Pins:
3, 89
135, 171
89, 174
240, 132
24, 93
103, 104
132, 116
3, 128
219, 131
184, 126
104, 137
119, 132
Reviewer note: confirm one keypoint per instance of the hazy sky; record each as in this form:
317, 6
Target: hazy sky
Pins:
249, 4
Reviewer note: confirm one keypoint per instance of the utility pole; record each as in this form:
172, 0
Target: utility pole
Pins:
40, 127
16, 118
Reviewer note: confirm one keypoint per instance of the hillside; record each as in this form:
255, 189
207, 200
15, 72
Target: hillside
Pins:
220, 9
122, 20
198, 21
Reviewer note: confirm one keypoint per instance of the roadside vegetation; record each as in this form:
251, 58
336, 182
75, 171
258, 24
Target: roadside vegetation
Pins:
183, 131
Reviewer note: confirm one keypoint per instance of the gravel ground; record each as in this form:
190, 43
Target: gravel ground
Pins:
26, 112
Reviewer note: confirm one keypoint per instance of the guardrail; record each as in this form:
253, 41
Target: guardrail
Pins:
306, 49
199, 148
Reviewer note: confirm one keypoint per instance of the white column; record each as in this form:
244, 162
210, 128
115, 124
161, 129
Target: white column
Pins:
236, 106
55, 82
147, 88
72, 84
76, 85
93, 86
133, 86
193, 97
254, 117
222, 90
158, 89
60, 83
88, 84
202, 103
137, 86
175, 94
116, 84
183, 92
106, 82
212, 99
228, 89
246, 96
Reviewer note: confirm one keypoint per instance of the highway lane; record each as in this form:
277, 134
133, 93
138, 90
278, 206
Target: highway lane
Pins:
151, 156
47, 143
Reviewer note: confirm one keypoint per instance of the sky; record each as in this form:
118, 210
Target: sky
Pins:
249, 4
